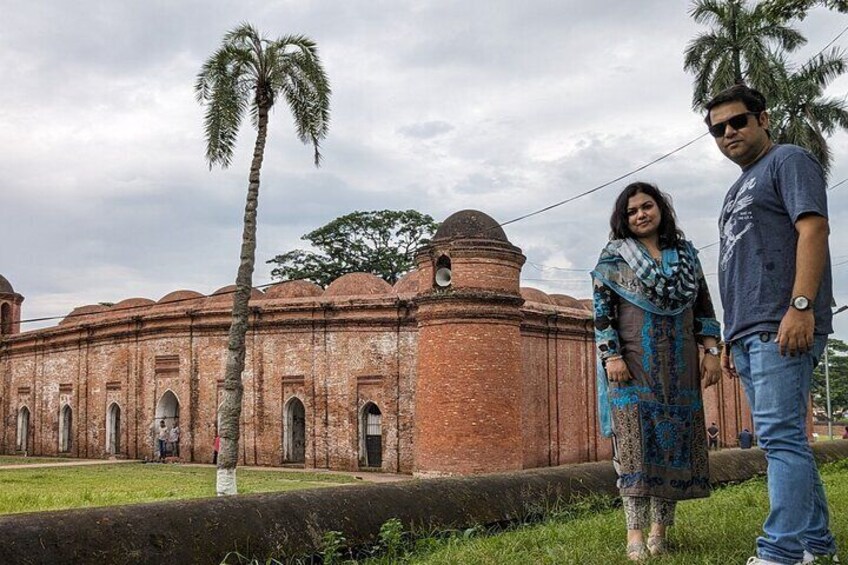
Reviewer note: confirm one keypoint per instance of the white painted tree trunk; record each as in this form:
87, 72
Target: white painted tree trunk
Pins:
226, 482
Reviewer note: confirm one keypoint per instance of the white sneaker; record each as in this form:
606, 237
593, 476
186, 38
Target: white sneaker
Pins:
759, 561
810, 558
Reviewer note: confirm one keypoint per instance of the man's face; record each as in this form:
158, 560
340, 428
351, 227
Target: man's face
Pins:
747, 143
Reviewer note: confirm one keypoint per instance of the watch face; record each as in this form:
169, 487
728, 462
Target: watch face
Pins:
801, 302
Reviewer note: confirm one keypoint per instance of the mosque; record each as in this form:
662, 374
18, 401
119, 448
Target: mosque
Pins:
454, 370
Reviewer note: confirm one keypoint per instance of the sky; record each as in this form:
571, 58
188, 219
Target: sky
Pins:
496, 105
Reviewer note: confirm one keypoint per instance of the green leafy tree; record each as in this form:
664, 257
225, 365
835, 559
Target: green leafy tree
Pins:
789, 9
800, 113
381, 242
249, 74
837, 356
736, 49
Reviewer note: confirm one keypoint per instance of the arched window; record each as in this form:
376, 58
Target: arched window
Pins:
371, 436
294, 434
113, 429
23, 429
5, 319
66, 420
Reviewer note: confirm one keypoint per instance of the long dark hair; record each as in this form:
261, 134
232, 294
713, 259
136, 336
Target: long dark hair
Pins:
669, 234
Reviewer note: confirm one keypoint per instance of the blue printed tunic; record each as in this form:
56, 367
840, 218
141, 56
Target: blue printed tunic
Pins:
658, 416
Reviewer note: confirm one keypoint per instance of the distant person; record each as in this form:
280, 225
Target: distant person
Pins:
652, 308
162, 439
746, 439
712, 436
174, 438
216, 445
776, 288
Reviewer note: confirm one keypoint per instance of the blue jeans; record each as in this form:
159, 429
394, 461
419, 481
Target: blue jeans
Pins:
778, 391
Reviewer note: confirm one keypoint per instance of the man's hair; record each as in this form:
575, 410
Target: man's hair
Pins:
669, 234
753, 99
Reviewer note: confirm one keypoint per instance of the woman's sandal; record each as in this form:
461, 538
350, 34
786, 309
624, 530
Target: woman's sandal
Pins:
657, 545
636, 551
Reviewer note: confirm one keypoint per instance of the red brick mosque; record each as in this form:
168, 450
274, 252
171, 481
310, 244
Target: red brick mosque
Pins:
456, 369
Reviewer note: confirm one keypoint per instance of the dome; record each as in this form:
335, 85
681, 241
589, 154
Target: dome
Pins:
6, 286
180, 296
293, 289
226, 293
470, 224
531, 294
357, 284
408, 283
566, 300
130, 304
83, 312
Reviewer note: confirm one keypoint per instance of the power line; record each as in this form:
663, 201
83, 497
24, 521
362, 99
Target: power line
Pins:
604, 185
832, 41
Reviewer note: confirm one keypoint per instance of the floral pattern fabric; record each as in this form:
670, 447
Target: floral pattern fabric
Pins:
657, 418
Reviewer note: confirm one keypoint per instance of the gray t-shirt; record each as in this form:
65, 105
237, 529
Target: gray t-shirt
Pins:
758, 241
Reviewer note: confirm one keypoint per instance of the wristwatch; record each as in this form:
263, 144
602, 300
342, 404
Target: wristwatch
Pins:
712, 351
801, 303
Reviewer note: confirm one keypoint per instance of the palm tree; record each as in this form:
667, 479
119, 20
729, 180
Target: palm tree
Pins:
800, 115
736, 49
251, 72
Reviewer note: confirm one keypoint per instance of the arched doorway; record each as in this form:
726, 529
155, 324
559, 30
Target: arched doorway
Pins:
371, 436
294, 440
23, 429
66, 420
167, 410
113, 429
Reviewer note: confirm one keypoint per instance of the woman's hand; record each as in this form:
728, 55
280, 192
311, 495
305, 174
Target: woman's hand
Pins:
617, 370
710, 370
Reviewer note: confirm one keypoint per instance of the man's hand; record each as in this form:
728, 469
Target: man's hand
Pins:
710, 370
795, 334
617, 370
728, 367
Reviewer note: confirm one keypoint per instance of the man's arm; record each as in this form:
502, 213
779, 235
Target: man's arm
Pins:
795, 334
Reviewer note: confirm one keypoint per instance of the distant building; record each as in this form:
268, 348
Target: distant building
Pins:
454, 370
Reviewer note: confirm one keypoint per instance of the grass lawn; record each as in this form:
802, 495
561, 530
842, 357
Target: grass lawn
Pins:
20, 460
32, 490
717, 531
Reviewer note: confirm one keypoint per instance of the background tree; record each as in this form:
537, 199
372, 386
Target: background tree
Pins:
737, 47
837, 352
381, 242
789, 9
251, 73
800, 113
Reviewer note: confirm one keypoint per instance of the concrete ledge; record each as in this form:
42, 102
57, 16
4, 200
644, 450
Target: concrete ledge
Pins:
286, 524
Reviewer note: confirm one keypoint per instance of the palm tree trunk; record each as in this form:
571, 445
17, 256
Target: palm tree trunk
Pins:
230, 412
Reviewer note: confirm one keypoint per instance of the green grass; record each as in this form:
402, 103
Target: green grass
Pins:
717, 530
21, 460
55, 488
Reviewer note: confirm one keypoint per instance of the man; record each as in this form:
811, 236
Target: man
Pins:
746, 439
712, 436
774, 277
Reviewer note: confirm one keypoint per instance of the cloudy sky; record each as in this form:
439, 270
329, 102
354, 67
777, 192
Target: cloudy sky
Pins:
437, 105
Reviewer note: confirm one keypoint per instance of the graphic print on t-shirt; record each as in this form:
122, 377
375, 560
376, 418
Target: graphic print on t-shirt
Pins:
736, 221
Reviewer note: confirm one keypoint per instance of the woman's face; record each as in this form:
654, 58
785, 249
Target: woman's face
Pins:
643, 215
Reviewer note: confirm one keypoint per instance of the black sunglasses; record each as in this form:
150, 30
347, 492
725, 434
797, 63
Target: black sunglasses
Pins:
738, 121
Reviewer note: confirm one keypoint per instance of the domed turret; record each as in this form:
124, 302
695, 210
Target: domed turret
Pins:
10, 308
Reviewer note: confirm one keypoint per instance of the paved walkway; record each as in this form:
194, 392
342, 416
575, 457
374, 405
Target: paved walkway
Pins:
371, 477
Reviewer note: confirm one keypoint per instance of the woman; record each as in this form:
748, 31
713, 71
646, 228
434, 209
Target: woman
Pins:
652, 307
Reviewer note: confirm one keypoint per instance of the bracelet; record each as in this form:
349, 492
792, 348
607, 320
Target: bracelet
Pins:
613, 357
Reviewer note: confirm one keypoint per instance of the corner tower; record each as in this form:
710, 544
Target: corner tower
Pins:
468, 388
10, 308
